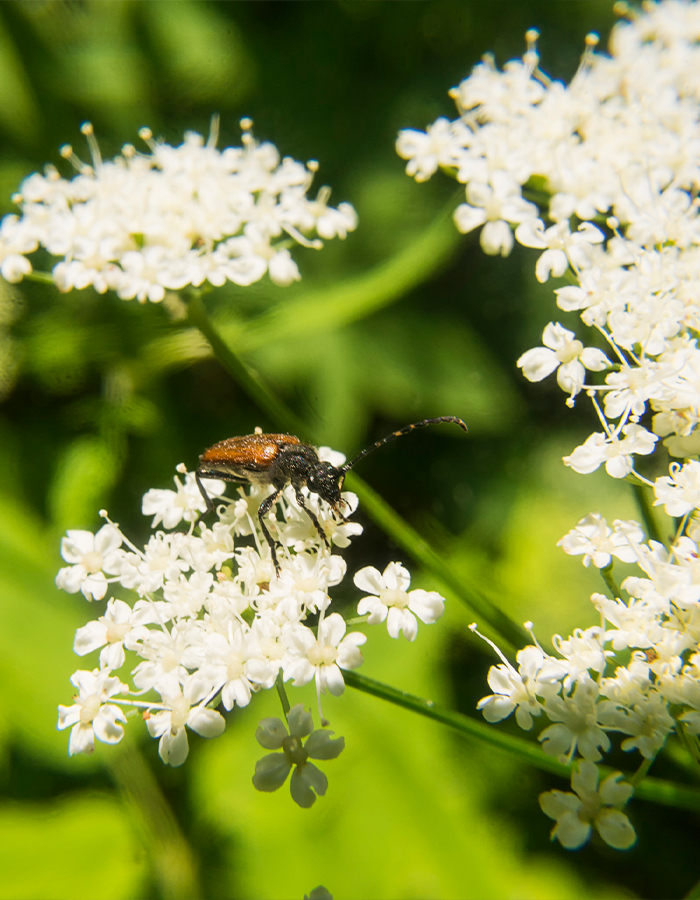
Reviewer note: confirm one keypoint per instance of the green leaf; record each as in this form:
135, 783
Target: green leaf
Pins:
84, 476
19, 112
77, 848
36, 640
202, 51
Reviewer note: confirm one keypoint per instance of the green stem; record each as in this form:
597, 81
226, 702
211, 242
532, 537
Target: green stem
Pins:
397, 529
642, 497
652, 789
284, 700
40, 277
641, 772
606, 572
689, 742
169, 853
423, 553
245, 377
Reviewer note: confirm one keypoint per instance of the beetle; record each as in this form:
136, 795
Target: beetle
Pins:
282, 459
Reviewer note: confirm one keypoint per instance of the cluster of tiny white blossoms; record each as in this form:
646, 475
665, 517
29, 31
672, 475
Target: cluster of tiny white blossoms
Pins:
148, 222
602, 177
202, 620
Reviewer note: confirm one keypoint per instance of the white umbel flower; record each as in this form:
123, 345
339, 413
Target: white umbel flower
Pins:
390, 600
146, 223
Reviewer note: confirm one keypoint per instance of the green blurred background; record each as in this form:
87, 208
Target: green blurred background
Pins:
405, 319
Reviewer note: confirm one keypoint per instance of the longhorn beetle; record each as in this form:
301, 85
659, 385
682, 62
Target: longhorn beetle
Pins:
281, 459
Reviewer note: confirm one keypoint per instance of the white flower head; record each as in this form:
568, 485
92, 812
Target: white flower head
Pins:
184, 710
91, 556
91, 716
148, 222
563, 353
391, 600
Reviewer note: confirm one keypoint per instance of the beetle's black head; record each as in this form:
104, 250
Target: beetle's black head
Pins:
326, 480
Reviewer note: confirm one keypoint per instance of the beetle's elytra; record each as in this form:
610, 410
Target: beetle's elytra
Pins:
281, 459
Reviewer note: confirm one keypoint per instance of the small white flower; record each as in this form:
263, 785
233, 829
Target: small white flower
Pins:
679, 492
391, 600
236, 663
91, 716
615, 452
537, 677
648, 722
182, 711
576, 724
91, 555
323, 657
185, 502
564, 353
425, 151
111, 632
590, 807
598, 543
494, 206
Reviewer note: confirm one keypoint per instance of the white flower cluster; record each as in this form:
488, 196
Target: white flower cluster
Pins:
602, 176
208, 621
637, 674
145, 223
618, 147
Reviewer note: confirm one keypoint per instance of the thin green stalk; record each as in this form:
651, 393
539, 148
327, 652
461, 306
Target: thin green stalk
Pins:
606, 573
655, 790
422, 552
526, 750
641, 772
40, 277
244, 376
169, 853
641, 495
282, 693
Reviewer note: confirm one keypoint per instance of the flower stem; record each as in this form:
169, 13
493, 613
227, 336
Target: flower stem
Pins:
245, 377
656, 790
422, 552
606, 572
641, 772
284, 700
169, 853
641, 495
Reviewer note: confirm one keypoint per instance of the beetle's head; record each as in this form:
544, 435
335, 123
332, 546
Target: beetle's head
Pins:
326, 480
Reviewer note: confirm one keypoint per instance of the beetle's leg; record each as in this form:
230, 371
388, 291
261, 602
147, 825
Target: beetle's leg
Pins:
205, 496
263, 510
312, 516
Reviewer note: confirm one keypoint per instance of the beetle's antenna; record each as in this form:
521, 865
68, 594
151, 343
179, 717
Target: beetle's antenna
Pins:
400, 433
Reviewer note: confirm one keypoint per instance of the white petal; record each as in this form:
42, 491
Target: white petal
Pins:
538, 363
427, 605
467, 218
369, 579
173, 748
207, 722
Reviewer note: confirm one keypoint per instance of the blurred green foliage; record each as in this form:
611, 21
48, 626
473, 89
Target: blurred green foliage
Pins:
403, 320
